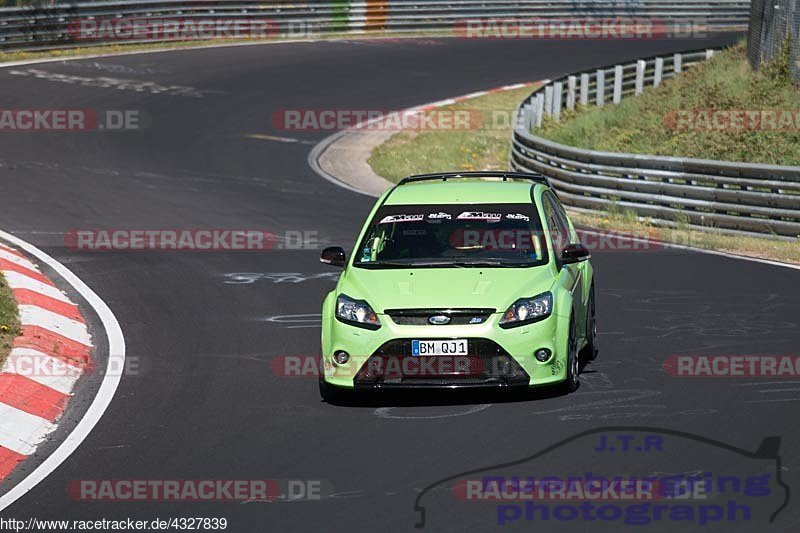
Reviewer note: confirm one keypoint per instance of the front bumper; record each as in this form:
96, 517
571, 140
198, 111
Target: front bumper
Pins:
485, 365
497, 358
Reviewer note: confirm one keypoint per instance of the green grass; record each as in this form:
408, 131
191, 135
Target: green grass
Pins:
726, 82
486, 148
9, 319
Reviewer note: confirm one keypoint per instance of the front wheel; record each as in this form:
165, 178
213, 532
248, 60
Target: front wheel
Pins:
590, 350
331, 393
573, 361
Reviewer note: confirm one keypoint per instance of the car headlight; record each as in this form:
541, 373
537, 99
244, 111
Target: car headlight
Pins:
356, 313
528, 310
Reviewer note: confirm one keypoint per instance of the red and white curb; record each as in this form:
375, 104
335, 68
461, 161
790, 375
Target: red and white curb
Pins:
37, 378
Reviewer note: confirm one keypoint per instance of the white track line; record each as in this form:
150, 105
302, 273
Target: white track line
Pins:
111, 379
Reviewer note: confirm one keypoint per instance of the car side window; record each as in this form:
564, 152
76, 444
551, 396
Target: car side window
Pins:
562, 214
559, 229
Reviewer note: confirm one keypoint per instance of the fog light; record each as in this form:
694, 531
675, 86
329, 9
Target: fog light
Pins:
542, 354
341, 357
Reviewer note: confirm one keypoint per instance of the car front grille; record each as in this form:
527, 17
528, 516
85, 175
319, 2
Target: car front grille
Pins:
458, 317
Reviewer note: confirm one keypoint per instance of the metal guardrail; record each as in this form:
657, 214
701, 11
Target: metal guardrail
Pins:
49, 27
712, 194
774, 24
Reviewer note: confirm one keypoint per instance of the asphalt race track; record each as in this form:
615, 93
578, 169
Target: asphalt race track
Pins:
205, 402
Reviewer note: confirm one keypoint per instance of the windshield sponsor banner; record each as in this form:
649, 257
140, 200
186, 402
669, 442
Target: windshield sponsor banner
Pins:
480, 215
733, 366
579, 28
397, 219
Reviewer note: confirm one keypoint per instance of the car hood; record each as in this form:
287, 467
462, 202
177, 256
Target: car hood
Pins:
444, 287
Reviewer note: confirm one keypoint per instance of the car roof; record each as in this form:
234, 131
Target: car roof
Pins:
462, 191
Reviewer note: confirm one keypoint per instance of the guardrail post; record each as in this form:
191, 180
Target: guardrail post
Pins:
640, 66
548, 100
358, 15
527, 118
571, 92
558, 90
600, 97
617, 84
539, 109
709, 53
677, 60
659, 71
584, 89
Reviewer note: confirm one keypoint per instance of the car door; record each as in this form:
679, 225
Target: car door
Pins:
569, 276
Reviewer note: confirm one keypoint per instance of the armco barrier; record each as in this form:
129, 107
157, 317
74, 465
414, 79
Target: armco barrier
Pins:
48, 27
720, 194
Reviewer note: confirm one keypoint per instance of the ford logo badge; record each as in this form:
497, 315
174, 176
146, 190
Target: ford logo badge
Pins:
439, 320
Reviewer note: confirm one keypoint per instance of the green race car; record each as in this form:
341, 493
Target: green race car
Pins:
460, 280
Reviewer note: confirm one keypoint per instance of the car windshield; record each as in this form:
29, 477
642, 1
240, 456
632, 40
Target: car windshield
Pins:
473, 235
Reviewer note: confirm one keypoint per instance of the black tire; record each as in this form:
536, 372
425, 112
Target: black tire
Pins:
571, 382
590, 351
331, 393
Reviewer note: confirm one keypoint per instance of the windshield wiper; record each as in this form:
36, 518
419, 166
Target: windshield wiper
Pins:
408, 264
491, 263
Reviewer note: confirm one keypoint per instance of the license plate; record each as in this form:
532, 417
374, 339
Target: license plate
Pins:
439, 347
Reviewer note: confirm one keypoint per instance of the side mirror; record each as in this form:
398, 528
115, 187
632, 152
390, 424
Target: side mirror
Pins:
574, 253
333, 255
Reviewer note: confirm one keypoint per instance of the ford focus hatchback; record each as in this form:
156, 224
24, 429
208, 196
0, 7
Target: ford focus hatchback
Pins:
460, 280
